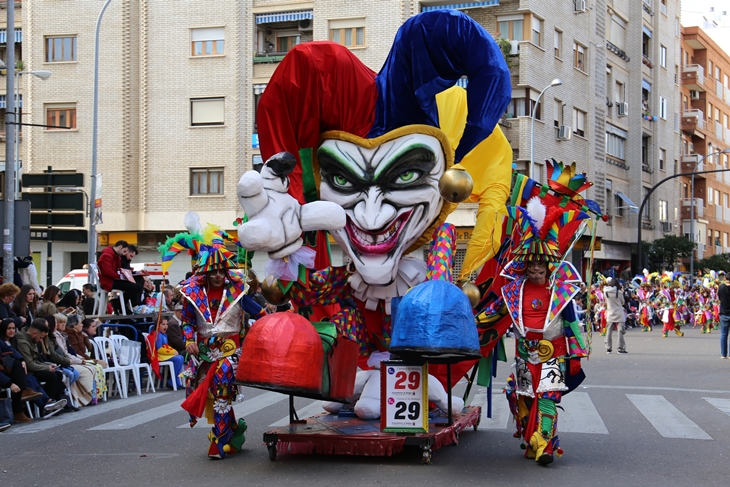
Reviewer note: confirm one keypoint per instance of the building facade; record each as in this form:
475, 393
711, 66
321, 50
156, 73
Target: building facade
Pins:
179, 84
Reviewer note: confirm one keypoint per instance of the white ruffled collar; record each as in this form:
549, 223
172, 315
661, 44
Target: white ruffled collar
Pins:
411, 271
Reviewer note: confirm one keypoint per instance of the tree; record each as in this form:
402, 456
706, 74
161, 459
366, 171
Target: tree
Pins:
719, 262
670, 248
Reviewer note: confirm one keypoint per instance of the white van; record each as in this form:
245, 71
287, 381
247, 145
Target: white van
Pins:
78, 277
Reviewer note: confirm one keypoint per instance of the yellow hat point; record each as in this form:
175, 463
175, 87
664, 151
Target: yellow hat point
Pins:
226, 448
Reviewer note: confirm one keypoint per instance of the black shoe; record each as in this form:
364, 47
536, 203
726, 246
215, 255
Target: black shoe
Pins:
545, 459
622, 351
608, 351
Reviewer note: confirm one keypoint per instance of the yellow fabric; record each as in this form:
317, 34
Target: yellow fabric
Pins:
490, 166
165, 352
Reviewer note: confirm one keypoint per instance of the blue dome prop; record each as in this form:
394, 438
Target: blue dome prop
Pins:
434, 321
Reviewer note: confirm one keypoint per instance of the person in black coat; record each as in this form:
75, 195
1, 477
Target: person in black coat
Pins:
8, 293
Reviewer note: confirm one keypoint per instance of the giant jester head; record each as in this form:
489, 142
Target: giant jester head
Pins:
378, 145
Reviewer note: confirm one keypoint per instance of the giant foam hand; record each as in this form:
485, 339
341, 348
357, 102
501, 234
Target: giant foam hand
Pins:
275, 219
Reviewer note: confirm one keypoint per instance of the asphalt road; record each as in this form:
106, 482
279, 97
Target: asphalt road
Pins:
659, 415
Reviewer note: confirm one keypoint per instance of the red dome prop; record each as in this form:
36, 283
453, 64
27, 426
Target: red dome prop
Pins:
282, 352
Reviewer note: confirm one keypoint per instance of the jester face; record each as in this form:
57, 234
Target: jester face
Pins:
390, 194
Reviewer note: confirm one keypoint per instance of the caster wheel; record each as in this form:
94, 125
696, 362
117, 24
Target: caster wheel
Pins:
272, 452
427, 456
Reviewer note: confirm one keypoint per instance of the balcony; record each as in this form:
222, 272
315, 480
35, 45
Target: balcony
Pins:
647, 7
718, 130
617, 51
693, 77
693, 120
646, 61
719, 89
277, 32
699, 207
690, 160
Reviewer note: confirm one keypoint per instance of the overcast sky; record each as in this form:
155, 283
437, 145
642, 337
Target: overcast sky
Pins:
691, 15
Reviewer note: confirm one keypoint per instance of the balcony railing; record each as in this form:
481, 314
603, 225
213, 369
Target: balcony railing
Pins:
647, 7
268, 57
693, 119
646, 60
617, 50
693, 77
699, 206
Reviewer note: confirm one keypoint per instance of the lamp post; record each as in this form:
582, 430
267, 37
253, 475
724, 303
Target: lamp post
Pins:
692, 210
94, 131
44, 75
9, 190
555, 82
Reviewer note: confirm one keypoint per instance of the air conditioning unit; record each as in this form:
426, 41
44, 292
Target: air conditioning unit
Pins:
694, 94
305, 25
515, 47
623, 108
580, 6
564, 132
667, 227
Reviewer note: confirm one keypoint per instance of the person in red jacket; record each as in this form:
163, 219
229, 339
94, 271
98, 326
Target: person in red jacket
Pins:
109, 262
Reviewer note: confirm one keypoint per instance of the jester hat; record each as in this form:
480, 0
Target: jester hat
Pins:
540, 230
321, 90
210, 256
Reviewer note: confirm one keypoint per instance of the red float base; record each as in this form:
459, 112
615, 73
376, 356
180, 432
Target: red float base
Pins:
329, 434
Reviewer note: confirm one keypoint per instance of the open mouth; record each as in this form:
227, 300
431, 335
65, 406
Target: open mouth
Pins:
382, 242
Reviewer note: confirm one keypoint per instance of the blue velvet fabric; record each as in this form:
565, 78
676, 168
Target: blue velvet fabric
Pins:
430, 53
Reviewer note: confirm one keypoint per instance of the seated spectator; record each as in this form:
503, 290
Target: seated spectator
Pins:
80, 341
45, 373
50, 297
8, 292
25, 305
110, 263
13, 376
166, 353
83, 388
70, 304
49, 353
89, 292
174, 330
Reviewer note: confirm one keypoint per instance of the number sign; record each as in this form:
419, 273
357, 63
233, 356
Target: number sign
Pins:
403, 397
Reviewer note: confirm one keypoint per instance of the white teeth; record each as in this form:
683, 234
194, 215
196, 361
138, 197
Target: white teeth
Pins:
369, 239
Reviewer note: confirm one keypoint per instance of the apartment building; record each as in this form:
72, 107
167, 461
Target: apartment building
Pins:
180, 81
705, 132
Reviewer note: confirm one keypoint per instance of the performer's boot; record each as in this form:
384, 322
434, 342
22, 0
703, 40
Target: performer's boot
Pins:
544, 442
645, 328
678, 331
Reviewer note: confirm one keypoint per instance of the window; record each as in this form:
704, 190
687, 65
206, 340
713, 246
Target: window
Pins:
557, 112
618, 32
286, 40
348, 32
609, 196
257, 162
523, 106
579, 56
618, 206
710, 110
258, 90
709, 237
206, 181
558, 43
709, 67
207, 111
61, 115
579, 122
718, 73
662, 211
536, 31
60, 49
510, 27
710, 196
646, 216
663, 56
663, 107
662, 158
619, 92
616, 142
208, 42
646, 43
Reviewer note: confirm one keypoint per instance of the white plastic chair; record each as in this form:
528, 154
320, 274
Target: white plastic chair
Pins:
102, 296
135, 366
120, 372
165, 367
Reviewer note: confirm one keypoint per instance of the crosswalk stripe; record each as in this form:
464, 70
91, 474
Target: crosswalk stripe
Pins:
87, 412
580, 415
248, 406
720, 403
667, 419
309, 410
500, 411
141, 418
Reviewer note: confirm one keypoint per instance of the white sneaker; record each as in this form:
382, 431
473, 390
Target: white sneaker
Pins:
54, 407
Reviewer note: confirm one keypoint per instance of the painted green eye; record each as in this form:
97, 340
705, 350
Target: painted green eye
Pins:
408, 177
341, 181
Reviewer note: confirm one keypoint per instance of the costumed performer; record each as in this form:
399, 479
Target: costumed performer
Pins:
379, 161
548, 343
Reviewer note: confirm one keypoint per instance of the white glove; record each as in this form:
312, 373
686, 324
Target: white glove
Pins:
275, 219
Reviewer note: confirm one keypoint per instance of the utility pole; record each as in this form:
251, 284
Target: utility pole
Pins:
9, 190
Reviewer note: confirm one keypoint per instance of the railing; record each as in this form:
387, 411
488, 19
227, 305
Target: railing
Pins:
617, 163
719, 89
617, 50
268, 57
727, 215
699, 204
647, 7
647, 168
695, 68
646, 61
718, 213
718, 130
694, 113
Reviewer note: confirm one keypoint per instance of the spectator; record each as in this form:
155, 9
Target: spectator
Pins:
723, 294
13, 375
8, 292
615, 314
45, 373
89, 292
110, 263
26, 304
129, 253
50, 297
48, 352
625, 274
169, 295
174, 330
83, 388
70, 304
166, 353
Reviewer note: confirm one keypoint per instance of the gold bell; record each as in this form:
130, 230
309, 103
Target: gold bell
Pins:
456, 184
472, 292
272, 292
252, 279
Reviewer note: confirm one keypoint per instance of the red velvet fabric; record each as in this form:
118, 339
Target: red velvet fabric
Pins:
109, 264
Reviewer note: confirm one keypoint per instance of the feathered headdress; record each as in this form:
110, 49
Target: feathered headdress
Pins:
210, 256
540, 229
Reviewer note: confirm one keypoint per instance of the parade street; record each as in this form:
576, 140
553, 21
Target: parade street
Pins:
659, 415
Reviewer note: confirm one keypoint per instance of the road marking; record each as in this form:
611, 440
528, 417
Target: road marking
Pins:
87, 412
651, 388
720, 403
141, 418
305, 412
501, 414
667, 419
247, 407
580, 415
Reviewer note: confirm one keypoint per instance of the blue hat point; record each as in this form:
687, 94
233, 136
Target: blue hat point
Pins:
434, 321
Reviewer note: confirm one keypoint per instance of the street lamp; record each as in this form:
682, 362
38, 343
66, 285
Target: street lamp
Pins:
555, 82
692, 210
44, 75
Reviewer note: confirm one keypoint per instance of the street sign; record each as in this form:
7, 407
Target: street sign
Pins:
56, 179
21, 234
57, 219
77, 236
403, 397
55, 201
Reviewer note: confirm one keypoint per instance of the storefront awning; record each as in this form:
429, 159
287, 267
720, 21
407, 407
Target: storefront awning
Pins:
457, 6
284, 16
646, 85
